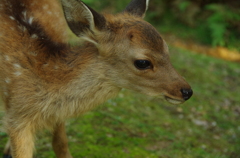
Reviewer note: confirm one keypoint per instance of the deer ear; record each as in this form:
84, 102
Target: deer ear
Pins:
137, 7
81, 17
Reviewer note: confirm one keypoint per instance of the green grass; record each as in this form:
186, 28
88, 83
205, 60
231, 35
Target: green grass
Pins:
136, 126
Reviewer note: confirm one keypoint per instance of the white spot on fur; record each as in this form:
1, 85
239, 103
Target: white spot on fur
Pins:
5, 93
11, 17
45, 7
24, 14
24, 29
6, 57
49, 12
30, 20
34, 36
7, 80
17, 66
17, 73
21, 27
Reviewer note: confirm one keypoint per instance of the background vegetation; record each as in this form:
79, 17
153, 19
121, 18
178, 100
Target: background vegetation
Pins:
136, 126
210, 22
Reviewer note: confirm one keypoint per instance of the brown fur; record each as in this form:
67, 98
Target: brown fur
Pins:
44, 81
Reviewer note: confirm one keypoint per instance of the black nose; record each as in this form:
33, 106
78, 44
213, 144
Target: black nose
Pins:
187, 93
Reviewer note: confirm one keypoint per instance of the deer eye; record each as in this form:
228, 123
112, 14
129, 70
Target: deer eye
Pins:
142, 64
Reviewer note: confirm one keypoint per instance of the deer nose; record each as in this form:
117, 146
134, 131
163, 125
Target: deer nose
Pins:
186, 93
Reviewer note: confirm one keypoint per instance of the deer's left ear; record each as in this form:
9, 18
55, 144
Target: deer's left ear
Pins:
81, 17
137, 7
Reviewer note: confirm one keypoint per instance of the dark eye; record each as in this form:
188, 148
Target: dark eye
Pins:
142, 64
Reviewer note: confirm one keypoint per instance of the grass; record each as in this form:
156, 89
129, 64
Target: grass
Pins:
136, 126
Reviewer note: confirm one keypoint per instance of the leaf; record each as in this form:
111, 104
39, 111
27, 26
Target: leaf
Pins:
183, 5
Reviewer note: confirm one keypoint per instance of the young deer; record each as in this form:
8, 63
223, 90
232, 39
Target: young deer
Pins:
44, 81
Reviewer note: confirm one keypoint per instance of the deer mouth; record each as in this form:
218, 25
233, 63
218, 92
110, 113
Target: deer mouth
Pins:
173, 101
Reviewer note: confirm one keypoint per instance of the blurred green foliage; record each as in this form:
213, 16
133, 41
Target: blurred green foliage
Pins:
211, 22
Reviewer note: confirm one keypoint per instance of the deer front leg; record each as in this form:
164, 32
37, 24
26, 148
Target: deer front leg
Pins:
7, 150
60, 143
21, 143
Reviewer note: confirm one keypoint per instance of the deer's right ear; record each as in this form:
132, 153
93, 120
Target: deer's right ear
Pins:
81, 17
137, 7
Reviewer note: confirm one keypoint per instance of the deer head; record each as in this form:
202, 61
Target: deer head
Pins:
134, 54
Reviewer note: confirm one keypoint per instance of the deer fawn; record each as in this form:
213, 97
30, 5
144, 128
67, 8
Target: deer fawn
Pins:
44, 80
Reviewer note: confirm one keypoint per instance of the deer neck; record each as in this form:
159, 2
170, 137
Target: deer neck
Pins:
90, 86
